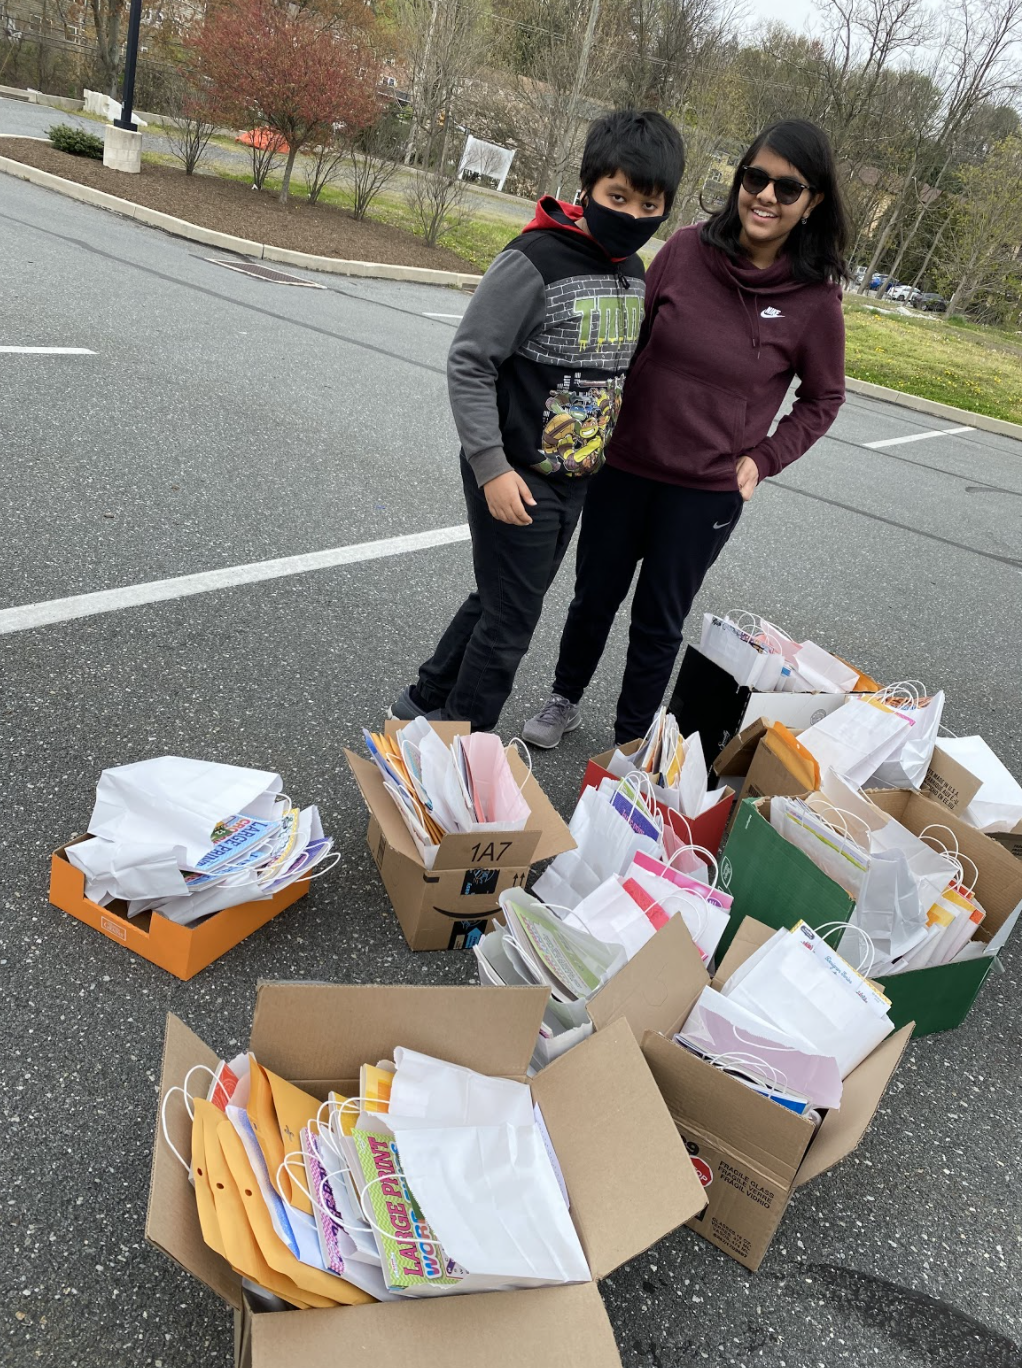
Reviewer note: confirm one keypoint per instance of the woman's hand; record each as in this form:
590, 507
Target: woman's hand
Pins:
506, 497
747, 472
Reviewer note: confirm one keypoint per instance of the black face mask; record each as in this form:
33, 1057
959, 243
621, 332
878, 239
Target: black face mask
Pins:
618, 233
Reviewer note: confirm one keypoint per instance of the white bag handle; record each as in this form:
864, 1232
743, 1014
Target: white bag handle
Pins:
523, 749
710, 860
865, 966
650, 807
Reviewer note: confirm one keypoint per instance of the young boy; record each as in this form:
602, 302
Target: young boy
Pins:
534, 375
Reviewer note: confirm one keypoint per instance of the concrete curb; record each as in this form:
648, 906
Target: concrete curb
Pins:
957, 415
375, 270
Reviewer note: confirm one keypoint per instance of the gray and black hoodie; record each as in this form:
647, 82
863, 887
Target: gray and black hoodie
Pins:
538, 363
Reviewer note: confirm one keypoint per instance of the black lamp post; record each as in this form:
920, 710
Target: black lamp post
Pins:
130, 60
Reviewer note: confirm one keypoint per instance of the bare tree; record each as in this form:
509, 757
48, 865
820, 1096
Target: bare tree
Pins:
436, 199
373, 159
189, 129
443, 42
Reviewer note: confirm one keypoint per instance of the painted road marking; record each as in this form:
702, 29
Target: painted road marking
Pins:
48, 351
917, 437
30, 615
459, 317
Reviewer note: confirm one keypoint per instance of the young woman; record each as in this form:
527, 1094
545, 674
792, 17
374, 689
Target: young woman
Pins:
736, 308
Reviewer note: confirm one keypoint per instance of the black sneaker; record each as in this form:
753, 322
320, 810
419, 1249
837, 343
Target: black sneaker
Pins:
405, 709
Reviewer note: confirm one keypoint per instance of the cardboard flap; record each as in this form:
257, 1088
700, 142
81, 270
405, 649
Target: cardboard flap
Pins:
751, 934
707, 1101
328, 1031
657, 987
525, 1329
172, 1221
842, 1130
948, 782
382, 806
626, 1168
736, 757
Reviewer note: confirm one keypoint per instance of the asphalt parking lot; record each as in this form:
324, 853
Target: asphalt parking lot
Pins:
219, 422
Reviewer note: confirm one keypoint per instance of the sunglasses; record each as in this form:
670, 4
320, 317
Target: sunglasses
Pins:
786, 188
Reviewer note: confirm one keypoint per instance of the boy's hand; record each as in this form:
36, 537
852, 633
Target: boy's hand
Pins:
748, 476
506, 497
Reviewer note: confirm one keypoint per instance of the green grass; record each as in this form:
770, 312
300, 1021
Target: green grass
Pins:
969, 367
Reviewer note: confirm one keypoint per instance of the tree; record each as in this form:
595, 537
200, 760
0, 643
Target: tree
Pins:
190, 128
107, 17
981, 248
443, 43
373, 161
294, 71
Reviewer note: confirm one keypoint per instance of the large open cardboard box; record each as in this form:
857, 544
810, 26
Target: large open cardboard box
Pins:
181, 950
760, 766
449, 906
706, 830
626, 1169
751, 1154
773, 881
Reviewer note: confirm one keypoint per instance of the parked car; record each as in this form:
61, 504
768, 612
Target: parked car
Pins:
902, 292
931, 303
879, 281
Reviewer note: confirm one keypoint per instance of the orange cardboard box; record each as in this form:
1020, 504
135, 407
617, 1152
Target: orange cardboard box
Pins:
181, 950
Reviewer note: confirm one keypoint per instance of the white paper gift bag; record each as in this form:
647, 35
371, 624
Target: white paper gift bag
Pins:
856, 738
172, 801
998, 804
492, 1198
431, 1088
906, 767
793, 990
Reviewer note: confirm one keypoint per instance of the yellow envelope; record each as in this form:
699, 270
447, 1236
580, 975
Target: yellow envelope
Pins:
316, 1286
278, 1111
204, 1123
241, 1248
374, 1086
798, 761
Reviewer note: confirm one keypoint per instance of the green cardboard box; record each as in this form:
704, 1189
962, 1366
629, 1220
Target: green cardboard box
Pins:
773, 881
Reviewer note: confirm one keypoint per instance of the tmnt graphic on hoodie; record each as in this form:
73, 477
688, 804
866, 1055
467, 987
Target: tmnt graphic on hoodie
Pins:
556, 321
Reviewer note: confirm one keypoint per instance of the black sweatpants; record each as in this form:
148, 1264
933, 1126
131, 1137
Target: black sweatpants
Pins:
677, 533
472, 670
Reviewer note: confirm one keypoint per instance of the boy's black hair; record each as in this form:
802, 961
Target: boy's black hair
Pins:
642, 144
815, 249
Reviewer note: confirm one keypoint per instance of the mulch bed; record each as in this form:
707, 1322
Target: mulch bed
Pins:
230, 207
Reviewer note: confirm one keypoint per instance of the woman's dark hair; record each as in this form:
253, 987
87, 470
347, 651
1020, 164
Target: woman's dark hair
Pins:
642, 144
815, 249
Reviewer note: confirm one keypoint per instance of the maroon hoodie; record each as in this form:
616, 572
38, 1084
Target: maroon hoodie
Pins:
720, 344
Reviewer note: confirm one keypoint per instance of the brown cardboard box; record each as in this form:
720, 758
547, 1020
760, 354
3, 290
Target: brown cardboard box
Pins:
949, 783
451, 905
318, 1035
749, 1152
761, 767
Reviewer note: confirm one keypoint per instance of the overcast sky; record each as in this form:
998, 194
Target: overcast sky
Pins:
794, 13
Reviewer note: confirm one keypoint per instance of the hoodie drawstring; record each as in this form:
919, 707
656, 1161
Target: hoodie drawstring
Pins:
753, 322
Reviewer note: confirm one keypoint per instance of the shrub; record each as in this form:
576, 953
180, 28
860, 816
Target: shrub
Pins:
76, 141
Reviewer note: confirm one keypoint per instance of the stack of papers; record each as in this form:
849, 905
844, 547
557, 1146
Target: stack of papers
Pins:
444, 1181
676, 768
441, 789
187, 838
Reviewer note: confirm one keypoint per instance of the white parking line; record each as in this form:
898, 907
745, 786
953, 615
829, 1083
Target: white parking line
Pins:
49, 351
44, 614
917, 437
436, 315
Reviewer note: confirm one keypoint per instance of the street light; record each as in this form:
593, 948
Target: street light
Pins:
130, 60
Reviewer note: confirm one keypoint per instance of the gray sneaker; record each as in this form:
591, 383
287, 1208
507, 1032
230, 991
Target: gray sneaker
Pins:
556, 717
